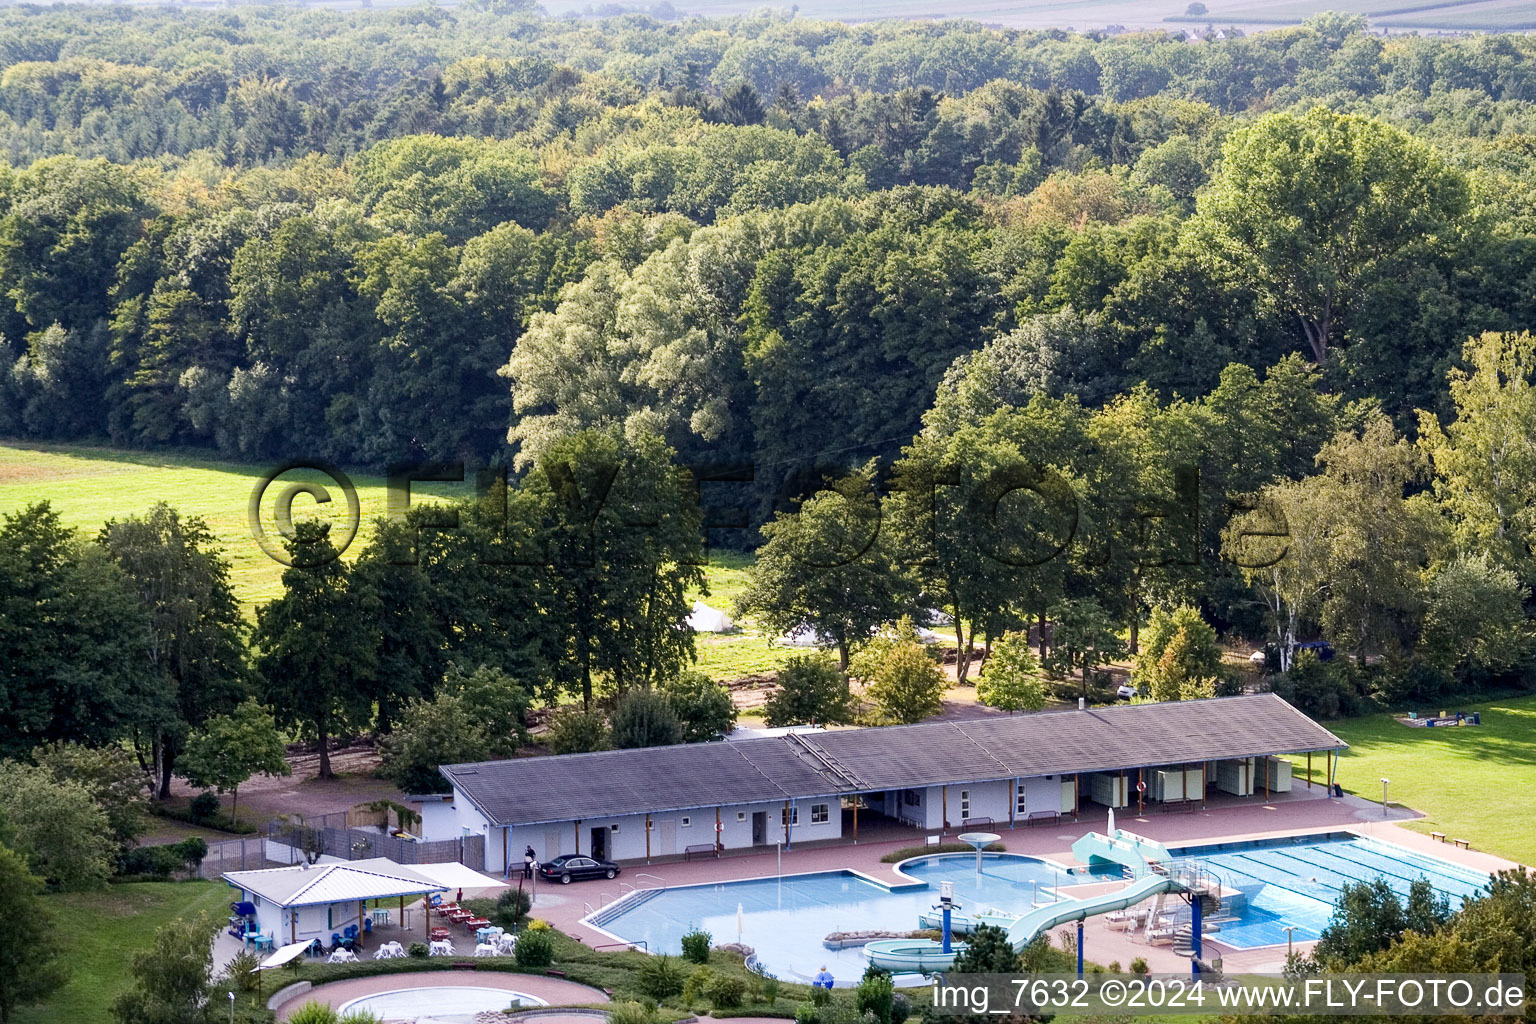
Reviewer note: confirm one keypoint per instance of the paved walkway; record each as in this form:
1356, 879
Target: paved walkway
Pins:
1224, 818
553, 990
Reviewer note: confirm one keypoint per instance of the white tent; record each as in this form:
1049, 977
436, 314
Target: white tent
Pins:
805, 636
704, 619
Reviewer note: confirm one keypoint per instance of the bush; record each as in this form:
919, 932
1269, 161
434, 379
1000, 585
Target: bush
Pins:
696, 946
242, 970
697, 984
875, 995
901, 1008
703, 706
820, 996
1139, 965
644, 718
574, 731
805, 1013
770, 988
511, 907
149, 862
538, 924
535, 948
660, 977
725, 991
630, 1013
313, 1013
419, 950
360, 1017
908, 852
811, 690
204, 808
1114, 967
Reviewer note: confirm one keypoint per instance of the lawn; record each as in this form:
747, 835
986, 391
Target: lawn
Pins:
1469, 781
89, 485
99, 933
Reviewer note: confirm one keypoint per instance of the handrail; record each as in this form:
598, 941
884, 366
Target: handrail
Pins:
647, 874
626, 945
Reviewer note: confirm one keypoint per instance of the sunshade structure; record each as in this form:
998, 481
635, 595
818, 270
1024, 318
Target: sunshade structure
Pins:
453, 875
305, 902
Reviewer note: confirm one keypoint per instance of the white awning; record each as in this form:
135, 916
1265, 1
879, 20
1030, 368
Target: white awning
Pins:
283, 954
453, 875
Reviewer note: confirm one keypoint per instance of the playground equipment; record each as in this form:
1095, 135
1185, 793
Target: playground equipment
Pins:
978, 840
961, 923
1146, 862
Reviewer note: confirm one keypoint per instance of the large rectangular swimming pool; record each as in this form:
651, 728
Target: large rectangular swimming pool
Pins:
1293, 881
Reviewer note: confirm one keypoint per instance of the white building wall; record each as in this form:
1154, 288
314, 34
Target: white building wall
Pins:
1041, 793
439, 819
987, 800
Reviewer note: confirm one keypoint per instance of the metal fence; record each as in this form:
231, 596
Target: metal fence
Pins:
328, 835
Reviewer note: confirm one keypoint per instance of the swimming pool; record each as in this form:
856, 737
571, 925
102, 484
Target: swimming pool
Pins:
410, 1003
1284, 882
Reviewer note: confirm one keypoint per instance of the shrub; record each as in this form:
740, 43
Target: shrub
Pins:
538, 924
805, 1013
875, 994
242, 968
418, 950
1114, 967
511, 907
313, 1013
150, 862
820, 996
574, 731
535, 948
1138, 965
696, 946
811, 690
644, 718
908, 852
901, 1008
204, 808
630, 1013
725, 991
697, 984
191, 850
360, 1017
660, 977
770, 988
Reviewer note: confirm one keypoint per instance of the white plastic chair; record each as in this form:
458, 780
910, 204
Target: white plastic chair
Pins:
504, 944
485, 949
441, 949
342, 956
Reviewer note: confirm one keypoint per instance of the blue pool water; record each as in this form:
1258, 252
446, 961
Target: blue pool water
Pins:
1284, 882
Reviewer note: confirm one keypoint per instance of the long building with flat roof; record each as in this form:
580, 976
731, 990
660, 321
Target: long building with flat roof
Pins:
660, 801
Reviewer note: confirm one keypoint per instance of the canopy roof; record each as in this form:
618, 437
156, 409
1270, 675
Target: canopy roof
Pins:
453, 875
305, 885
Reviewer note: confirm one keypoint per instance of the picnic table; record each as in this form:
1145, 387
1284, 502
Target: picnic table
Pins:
381, 915
438, 934
475, 923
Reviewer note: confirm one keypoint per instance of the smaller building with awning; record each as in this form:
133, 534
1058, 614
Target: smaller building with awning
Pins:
317, 901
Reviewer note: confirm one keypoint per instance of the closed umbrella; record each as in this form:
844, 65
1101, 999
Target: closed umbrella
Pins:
741, 920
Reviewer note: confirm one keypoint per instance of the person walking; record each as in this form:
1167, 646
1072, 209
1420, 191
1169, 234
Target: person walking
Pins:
528, 862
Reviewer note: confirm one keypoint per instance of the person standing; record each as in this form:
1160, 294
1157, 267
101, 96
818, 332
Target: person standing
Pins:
528, 862
823, 979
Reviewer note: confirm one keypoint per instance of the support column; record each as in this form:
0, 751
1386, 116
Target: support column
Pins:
855, 819
1194, 934
786, 822
1309, 769
1328, 772
576, 831
1079, 947
506, 853
1013, 800
1203, 782
719, 831
647, 838
1077, 795
1266, 779
943, 808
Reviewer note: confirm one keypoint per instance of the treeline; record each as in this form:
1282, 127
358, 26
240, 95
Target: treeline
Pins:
683, 228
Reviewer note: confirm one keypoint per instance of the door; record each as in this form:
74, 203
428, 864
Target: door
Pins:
759, 828
667, 844
551, 846
599, 849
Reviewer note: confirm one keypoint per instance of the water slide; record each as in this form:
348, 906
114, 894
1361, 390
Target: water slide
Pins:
926, 956
1146, 860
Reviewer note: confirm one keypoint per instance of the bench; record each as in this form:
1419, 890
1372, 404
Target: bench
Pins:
1034, 816
552, 973
1178, 805
700, 848
1465, 844
463, 965
975, 822
1438, 837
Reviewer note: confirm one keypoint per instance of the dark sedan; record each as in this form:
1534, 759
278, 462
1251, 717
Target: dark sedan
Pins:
573, 867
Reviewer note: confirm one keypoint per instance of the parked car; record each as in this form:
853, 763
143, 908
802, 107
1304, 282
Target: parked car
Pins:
1127, 690
1322, 648
571, 867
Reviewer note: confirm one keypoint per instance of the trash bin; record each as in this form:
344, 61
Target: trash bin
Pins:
1477, 718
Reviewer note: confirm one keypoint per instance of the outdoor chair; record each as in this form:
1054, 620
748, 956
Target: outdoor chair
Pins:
485, 949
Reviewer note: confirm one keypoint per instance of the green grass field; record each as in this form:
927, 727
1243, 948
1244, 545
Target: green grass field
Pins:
100, 931
1469, 782
89, 485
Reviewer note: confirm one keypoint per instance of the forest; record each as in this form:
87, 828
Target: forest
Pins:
1127, 339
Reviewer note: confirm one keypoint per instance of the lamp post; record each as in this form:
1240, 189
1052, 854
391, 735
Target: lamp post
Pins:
1288, 928
1384, 783
231, 1008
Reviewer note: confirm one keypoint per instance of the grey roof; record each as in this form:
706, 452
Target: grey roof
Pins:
585, 786
303, 885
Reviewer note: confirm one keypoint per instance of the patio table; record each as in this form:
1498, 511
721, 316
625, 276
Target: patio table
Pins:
439, 934
488, 933
381, 915
475, 923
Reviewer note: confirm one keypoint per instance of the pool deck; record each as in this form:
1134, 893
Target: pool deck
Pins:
552, 990
1225, 818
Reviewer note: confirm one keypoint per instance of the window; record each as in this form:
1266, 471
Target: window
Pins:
613, 828
789, 816
741, 815
819, 814
965, 804
685, 821
1018, 800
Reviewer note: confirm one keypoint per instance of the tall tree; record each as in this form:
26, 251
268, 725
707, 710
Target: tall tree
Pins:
1010, 677
32, 965
315, 644
196, 635
171, 977
828, 570
65, 837
1311, 208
